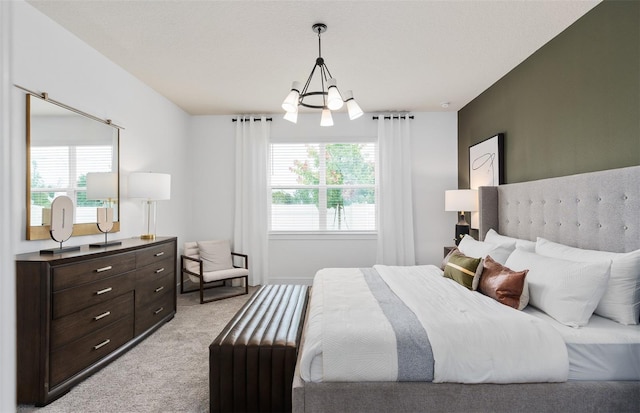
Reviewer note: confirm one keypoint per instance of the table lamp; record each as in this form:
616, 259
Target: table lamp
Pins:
461, 200
150, 187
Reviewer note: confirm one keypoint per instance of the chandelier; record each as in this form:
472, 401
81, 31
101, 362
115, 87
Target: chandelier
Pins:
327, 99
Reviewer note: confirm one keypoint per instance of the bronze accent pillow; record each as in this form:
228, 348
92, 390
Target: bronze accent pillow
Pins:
462, 269
501, 283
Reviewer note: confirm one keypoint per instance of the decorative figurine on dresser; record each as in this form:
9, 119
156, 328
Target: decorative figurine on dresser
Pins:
77, 311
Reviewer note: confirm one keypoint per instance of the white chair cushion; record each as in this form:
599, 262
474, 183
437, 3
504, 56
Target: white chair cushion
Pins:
215, 255
225, 274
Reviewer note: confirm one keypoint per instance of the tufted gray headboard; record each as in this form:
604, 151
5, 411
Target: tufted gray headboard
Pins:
595, 210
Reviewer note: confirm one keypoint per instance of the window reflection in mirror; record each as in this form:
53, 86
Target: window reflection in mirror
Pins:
63, 146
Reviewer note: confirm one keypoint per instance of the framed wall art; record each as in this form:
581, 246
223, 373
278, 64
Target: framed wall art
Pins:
486, 162
486, 166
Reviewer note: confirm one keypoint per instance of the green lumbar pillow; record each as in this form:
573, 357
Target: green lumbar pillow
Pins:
462, 269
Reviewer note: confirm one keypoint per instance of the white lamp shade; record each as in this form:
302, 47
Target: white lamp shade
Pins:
327, 119
352, 106
102, 185
150, 186
290, 103
334, 100
292, 116
461, 200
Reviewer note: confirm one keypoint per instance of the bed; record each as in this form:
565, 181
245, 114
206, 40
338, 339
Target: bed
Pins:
600, 366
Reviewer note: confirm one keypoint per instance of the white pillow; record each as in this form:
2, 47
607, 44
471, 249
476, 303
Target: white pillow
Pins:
479, 249
524, 244
566, 290
621, 299
215, 255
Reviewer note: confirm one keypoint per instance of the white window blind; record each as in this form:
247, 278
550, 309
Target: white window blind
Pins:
323, 186
62, 170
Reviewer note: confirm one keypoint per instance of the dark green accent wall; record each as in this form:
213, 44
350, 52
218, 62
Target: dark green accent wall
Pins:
571, 107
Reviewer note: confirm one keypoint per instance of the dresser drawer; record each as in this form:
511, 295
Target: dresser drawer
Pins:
74, 299
71, 275
73, 358
150, 285
76, 325
152, 313
155, 254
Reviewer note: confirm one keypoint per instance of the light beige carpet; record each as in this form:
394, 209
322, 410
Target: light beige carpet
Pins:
167, 372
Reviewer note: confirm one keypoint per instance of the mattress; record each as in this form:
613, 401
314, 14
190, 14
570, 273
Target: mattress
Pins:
601, 350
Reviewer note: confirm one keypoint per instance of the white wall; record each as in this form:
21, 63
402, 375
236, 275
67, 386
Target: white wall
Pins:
7, 267
47, 58
295, 259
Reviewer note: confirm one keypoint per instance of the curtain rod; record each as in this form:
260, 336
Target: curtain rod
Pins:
394, 117
45, 96
254, 119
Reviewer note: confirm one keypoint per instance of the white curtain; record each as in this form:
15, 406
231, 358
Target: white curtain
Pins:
251, 207
395, 214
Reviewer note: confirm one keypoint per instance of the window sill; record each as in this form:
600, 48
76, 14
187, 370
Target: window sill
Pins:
323, 235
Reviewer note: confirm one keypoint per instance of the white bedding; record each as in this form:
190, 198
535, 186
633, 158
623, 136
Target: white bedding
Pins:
474, 338
601, 350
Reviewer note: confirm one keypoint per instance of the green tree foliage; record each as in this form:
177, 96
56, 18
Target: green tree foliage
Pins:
42, 199
345, 165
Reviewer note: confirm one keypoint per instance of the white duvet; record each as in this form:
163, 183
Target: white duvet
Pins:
474, 338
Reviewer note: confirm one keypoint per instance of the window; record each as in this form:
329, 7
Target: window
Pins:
323, 186
66, 169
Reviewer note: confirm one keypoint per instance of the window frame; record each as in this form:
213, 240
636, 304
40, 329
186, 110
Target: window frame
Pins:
323, 187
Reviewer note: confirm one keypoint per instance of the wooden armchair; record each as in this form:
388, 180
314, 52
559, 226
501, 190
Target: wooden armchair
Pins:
210, 264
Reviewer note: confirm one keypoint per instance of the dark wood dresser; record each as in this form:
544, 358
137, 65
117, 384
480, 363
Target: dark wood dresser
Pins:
79, 310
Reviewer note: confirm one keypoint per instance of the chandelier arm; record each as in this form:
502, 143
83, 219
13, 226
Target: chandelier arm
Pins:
306, 85
323, 75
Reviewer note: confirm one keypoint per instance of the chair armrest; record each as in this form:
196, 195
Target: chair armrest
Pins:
245, 257
183, 268
191, 258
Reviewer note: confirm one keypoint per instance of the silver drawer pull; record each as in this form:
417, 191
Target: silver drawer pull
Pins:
107, 268
103, 315
104, 343
159, 289
159, 270
159, 254
159, 310
106, 290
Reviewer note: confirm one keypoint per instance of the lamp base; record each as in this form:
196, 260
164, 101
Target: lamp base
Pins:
148, 236
105, 244
461, 231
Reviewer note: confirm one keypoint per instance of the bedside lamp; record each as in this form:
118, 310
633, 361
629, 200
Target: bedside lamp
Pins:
461, 200
103, 186
150, 187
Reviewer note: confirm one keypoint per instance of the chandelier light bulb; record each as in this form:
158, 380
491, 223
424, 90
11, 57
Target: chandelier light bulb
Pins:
352, 106
292, 116
326, 119
334, 100
290, 103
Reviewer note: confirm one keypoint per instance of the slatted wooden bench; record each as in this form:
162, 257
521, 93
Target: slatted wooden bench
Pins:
252, 361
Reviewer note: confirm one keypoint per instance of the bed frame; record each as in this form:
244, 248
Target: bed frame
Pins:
597, 210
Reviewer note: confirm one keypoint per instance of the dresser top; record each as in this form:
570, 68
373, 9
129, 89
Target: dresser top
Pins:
128, 244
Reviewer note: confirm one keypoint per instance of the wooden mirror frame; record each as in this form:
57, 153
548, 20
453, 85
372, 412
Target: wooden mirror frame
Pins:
38, 232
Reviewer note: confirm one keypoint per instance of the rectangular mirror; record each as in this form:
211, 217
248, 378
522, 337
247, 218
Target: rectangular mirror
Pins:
64, 145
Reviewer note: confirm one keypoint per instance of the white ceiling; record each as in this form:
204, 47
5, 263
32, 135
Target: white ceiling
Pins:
230, 57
